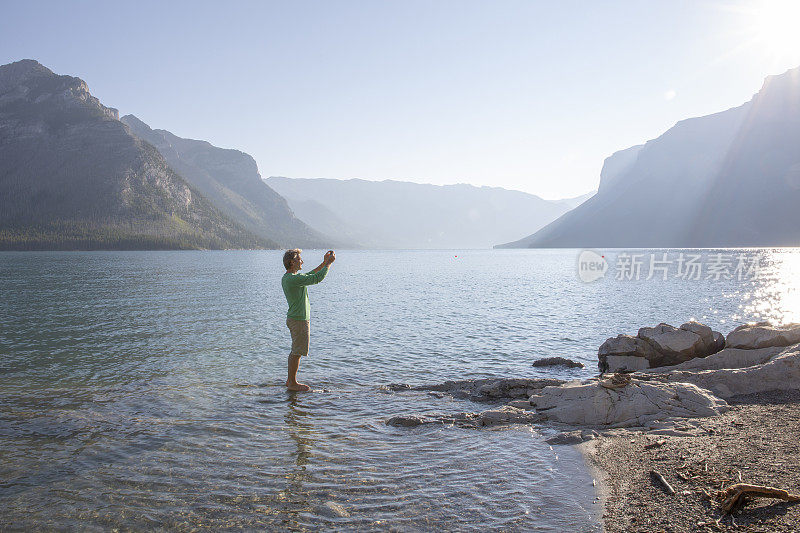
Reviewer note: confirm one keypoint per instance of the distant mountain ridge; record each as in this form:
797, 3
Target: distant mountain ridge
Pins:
72, 176
230, 179
398, 214
727, 179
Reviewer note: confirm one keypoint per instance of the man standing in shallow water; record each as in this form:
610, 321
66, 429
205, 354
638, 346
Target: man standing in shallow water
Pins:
298, 319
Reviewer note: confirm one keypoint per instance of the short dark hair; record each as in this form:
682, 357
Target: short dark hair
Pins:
289, 256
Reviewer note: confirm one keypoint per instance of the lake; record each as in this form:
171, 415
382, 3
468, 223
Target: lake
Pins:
144, 390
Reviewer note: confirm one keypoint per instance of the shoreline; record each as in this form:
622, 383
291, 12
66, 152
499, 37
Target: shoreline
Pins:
601, 478
757, 441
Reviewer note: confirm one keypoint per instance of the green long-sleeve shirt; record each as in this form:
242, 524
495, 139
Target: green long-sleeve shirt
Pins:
294, 287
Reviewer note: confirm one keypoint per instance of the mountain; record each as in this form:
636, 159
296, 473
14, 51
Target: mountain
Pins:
757, 190
320, 216
72, 176
230, 179
727, 179
398, 214
575, 201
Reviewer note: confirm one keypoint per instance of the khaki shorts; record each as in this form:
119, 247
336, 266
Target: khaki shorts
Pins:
301, 336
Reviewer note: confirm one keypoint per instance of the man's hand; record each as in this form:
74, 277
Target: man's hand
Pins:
329, 258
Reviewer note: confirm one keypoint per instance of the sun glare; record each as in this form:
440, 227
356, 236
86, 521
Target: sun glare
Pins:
776, 28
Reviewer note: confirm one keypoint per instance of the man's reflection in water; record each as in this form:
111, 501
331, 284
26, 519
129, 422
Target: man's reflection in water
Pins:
301, 430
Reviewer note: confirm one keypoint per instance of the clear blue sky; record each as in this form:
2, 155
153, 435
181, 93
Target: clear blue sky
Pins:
525, 95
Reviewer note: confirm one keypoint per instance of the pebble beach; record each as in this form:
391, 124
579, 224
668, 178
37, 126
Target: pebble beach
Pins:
757, 441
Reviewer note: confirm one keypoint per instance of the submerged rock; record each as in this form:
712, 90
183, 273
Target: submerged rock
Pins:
489, 390
408, 421
395, 387
504, 415
557, 361
333, 509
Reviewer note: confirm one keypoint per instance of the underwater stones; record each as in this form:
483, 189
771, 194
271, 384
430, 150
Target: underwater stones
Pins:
333, 510
489, 390
504, 415
407, 421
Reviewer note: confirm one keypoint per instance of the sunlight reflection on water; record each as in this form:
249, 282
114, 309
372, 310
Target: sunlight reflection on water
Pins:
776, 292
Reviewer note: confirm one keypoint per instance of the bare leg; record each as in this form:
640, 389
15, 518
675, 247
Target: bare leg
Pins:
291, 381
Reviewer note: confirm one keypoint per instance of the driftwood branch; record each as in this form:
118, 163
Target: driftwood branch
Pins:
736, 495
658, 477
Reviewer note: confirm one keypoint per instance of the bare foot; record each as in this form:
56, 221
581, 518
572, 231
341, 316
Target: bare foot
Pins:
299, 387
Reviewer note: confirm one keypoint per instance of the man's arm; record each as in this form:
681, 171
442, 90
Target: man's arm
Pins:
316, 275
329, 258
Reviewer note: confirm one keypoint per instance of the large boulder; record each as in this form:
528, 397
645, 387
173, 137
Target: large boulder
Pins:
763, 335
663, 345
707, 335
615, 402
681, 343
625, 346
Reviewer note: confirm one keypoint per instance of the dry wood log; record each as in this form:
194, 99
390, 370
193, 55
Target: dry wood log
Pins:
735, 495
663, 481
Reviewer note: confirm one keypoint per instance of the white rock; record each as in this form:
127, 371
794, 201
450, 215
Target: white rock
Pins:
663, 345
638, 404
727, 358
508, 415
668, 339
705, 333
780, 372
762, 335
572, 437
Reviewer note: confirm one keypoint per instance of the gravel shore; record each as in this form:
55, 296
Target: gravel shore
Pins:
757, 442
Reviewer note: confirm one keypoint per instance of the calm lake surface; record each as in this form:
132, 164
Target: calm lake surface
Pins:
143, 390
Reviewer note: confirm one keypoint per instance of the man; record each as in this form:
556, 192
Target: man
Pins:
298, 319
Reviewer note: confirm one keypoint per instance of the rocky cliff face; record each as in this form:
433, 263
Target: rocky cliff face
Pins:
230, 179
73, 177
706, 182
616, 165
756, 193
